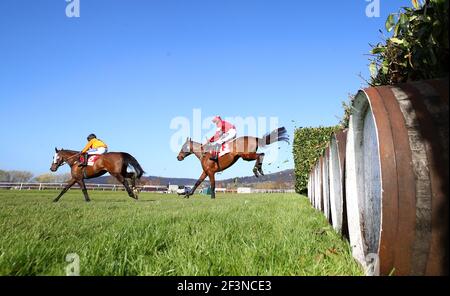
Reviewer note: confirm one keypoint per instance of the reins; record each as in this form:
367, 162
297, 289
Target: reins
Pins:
70, 157
192, 150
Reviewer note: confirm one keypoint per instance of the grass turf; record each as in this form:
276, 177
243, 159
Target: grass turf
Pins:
255, 234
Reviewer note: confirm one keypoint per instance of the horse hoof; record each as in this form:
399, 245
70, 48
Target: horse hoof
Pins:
88, 200
55, 200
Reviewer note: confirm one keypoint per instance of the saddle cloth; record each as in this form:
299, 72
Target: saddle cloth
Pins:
225, 149
92, 159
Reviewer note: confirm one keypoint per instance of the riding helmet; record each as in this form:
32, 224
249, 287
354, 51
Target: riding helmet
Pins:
91, 136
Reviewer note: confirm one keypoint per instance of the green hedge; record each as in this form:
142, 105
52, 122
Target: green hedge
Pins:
417, 46
309, 144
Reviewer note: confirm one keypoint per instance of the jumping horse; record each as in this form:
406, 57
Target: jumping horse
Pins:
243, 147
115, 163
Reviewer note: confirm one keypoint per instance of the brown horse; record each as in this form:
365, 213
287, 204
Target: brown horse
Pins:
115, 163
243, 147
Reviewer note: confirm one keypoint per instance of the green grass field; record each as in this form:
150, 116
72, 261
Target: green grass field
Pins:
260, 234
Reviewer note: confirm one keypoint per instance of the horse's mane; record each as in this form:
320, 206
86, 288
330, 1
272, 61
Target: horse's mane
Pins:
69, 151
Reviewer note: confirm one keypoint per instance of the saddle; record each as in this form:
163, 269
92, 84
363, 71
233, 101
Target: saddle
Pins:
224, 149
91, 159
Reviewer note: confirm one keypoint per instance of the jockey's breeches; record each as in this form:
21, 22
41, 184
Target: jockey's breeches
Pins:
228, 136
97, 151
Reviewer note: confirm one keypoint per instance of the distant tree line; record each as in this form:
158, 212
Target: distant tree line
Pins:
25, 177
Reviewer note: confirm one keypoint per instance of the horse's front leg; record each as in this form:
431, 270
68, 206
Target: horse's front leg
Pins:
83, 188
69, 184
212, 181
199, 181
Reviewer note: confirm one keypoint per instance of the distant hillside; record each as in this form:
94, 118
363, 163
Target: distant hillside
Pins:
283, 179
154, 180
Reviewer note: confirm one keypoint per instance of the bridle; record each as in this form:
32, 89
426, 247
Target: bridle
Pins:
66, 159
189, 149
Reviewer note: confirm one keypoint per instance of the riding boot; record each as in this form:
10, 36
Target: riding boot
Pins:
214, 156
84, 161
215, 153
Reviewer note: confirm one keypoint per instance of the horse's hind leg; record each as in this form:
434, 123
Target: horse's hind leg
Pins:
259, 163
124, 181
251, 157
69, 184
132, 177
255, 171
132, 192
212, 181
83, 188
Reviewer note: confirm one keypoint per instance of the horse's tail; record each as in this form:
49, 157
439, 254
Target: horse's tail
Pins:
130, 160
280, 134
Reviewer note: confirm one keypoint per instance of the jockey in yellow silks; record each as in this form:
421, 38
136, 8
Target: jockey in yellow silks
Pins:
93, 147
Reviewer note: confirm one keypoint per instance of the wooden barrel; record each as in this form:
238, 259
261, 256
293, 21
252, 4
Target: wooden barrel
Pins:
321, 183
309, 187
318, 185
397, 178
313, 185
326, 184
337, 180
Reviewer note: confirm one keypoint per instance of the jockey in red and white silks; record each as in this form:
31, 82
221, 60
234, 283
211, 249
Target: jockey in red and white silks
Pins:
225, 132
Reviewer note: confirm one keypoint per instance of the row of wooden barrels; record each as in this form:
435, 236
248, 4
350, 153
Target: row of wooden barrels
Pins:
383, 182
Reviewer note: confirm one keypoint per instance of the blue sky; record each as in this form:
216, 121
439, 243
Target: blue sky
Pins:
125, 69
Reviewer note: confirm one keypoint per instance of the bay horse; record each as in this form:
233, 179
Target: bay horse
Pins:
243, 147
115, 163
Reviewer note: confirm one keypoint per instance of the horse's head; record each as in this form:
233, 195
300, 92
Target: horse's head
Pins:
57, 161
186, 150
